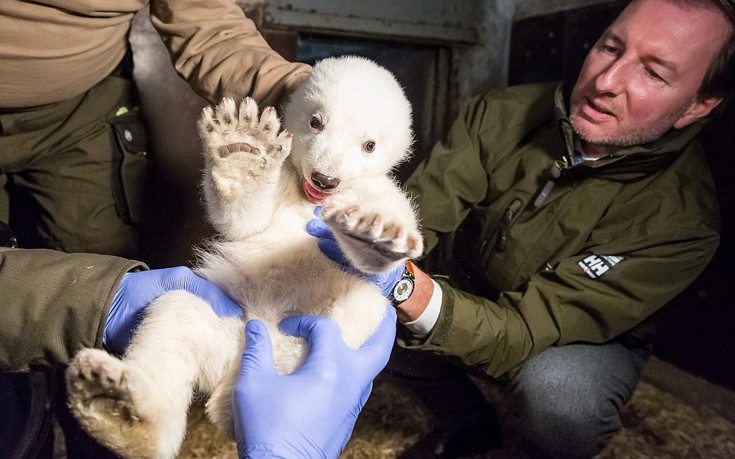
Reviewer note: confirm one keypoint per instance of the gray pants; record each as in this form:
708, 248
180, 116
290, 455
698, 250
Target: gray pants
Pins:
564, 403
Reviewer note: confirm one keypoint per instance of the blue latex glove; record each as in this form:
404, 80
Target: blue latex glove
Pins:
138, 289
311, 412
385, 281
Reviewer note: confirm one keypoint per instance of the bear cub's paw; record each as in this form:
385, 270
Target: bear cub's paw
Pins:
372, 241
102, 396
237, 140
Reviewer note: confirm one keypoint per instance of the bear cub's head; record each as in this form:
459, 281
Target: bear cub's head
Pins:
350, 120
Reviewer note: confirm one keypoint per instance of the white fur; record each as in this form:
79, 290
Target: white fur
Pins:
264, 258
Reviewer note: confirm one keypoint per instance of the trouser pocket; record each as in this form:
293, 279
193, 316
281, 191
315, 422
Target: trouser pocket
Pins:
129, 165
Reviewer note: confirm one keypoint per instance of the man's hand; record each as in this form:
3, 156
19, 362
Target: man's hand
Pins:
311, 412
137, 290
328, 245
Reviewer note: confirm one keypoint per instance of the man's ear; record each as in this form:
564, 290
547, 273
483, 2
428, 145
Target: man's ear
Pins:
698, 110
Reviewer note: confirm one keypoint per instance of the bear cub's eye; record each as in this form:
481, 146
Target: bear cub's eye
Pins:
369, 146
316, 123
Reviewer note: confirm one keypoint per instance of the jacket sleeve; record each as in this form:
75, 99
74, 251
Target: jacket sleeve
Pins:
221, 53
54, 303
566, 304
452, 179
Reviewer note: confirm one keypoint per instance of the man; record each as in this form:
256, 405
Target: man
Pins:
563, 221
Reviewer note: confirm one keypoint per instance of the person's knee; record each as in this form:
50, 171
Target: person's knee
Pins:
563, 418
569, 430
566, 401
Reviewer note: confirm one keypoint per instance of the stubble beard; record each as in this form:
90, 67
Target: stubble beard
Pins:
631, 135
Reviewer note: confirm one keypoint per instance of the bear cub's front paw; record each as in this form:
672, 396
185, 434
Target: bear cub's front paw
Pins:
373, 241
238, 144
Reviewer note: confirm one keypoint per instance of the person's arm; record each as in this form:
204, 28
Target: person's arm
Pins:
311, 412
220, 52
567, 303
56, 303
415, 306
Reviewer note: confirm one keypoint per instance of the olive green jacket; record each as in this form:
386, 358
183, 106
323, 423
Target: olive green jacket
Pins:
535, 260
54, 303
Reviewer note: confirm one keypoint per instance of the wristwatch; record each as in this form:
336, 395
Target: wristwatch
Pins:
404, 287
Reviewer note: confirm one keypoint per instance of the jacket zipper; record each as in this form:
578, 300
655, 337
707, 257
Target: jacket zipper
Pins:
505, 223
556, 171
499, 243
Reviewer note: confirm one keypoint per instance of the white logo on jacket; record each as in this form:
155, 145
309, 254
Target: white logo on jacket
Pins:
597, 265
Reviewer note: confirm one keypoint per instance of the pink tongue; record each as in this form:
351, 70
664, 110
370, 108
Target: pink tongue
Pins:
313, 195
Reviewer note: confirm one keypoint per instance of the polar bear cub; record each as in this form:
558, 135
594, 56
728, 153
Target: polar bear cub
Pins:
346, 127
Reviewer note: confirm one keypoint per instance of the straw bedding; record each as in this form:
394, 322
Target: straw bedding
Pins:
656, 424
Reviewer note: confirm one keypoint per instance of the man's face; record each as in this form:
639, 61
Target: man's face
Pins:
642, 76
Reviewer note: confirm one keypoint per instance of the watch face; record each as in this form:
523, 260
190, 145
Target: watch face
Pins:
403, 289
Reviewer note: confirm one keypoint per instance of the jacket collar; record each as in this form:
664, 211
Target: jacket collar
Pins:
630, 163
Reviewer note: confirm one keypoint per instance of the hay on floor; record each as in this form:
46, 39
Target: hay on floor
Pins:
656, 424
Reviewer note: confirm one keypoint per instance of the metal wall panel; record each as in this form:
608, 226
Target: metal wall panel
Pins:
443, 21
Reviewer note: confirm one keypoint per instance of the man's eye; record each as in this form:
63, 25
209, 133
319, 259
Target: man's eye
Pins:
609, 49
316, 123
654, 75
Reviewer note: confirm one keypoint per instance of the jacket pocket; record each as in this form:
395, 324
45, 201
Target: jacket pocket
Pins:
497, 240
129, 165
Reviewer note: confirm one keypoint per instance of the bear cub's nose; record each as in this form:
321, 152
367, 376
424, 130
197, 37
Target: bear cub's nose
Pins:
324, 182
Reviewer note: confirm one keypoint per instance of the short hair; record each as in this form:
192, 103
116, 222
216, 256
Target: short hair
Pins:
719, 79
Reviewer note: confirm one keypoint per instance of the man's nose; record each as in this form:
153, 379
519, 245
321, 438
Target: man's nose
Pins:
613, 77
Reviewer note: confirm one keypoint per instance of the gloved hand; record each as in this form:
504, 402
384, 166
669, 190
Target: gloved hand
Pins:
328, 245
138, 289
311, 412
